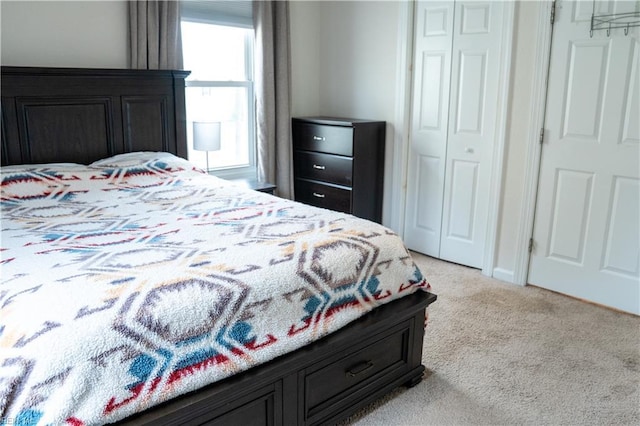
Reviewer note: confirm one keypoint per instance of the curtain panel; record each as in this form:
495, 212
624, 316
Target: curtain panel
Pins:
154, 35
273, 94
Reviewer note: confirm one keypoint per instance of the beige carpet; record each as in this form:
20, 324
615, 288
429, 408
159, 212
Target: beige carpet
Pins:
498, 353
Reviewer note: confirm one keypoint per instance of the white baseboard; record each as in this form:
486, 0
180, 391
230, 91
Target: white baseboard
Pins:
504, 275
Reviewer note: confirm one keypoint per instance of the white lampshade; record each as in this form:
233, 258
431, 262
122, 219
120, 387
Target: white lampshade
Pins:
206, 136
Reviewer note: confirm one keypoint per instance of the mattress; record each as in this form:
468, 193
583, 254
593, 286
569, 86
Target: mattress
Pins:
139, 278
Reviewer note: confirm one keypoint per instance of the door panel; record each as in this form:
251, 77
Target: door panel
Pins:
623, 227
571, 207
631, 126
587, 230
471, 84
583, 108
431, 105
475, 18
428, 180
463, 200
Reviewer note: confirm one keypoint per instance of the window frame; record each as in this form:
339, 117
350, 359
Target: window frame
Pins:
250, 170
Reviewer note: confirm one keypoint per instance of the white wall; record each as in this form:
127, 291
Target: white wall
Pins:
358, 59
91, 34
344, 58
305, 58
354, 55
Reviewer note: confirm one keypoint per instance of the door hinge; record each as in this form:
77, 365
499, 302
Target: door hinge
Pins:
553, 12
530, 248
541, 136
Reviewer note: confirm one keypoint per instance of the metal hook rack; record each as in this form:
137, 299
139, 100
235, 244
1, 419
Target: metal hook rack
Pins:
612, 21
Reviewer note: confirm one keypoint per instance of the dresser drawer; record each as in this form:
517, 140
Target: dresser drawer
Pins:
326, 386
324, 167
323, 138
325, 196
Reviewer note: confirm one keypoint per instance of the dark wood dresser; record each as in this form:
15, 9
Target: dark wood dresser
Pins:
338, 164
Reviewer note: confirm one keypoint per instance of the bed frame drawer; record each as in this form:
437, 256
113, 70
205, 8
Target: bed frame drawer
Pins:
324, 167
255, 409
329, 385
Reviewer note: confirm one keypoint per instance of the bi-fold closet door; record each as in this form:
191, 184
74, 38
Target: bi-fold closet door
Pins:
453, 126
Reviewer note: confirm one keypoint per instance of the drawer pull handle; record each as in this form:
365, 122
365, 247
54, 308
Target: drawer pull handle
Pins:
359, 368
315, 194
318, 138
315, 166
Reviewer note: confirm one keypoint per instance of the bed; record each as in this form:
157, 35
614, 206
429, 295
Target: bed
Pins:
137, 289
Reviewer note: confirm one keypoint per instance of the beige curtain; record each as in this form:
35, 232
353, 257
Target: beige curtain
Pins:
272, 88
154, 34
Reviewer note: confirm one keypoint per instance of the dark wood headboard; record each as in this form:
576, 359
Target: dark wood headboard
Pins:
81, 115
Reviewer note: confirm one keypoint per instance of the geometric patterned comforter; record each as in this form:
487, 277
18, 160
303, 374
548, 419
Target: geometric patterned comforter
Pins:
139, 278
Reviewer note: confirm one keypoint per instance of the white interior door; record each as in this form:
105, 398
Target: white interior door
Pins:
587, 225
455, 104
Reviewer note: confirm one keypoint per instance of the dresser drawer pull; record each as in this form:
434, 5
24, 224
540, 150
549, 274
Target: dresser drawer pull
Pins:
359, 368
315, 194
318, 138
315, 166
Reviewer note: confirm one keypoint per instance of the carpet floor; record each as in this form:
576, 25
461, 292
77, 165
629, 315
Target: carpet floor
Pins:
500, 354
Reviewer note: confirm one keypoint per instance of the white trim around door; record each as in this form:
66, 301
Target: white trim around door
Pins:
497, 168
398, 196
532, 158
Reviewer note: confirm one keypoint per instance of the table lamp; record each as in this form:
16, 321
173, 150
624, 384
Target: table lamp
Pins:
206, 137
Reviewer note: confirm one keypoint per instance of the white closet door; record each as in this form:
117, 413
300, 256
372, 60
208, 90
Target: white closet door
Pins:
457, 61
587, 226
472, 117
429, 125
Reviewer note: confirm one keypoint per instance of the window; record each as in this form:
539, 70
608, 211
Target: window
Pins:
220, 89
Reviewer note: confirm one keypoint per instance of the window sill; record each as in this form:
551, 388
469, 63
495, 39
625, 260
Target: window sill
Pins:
235, 173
